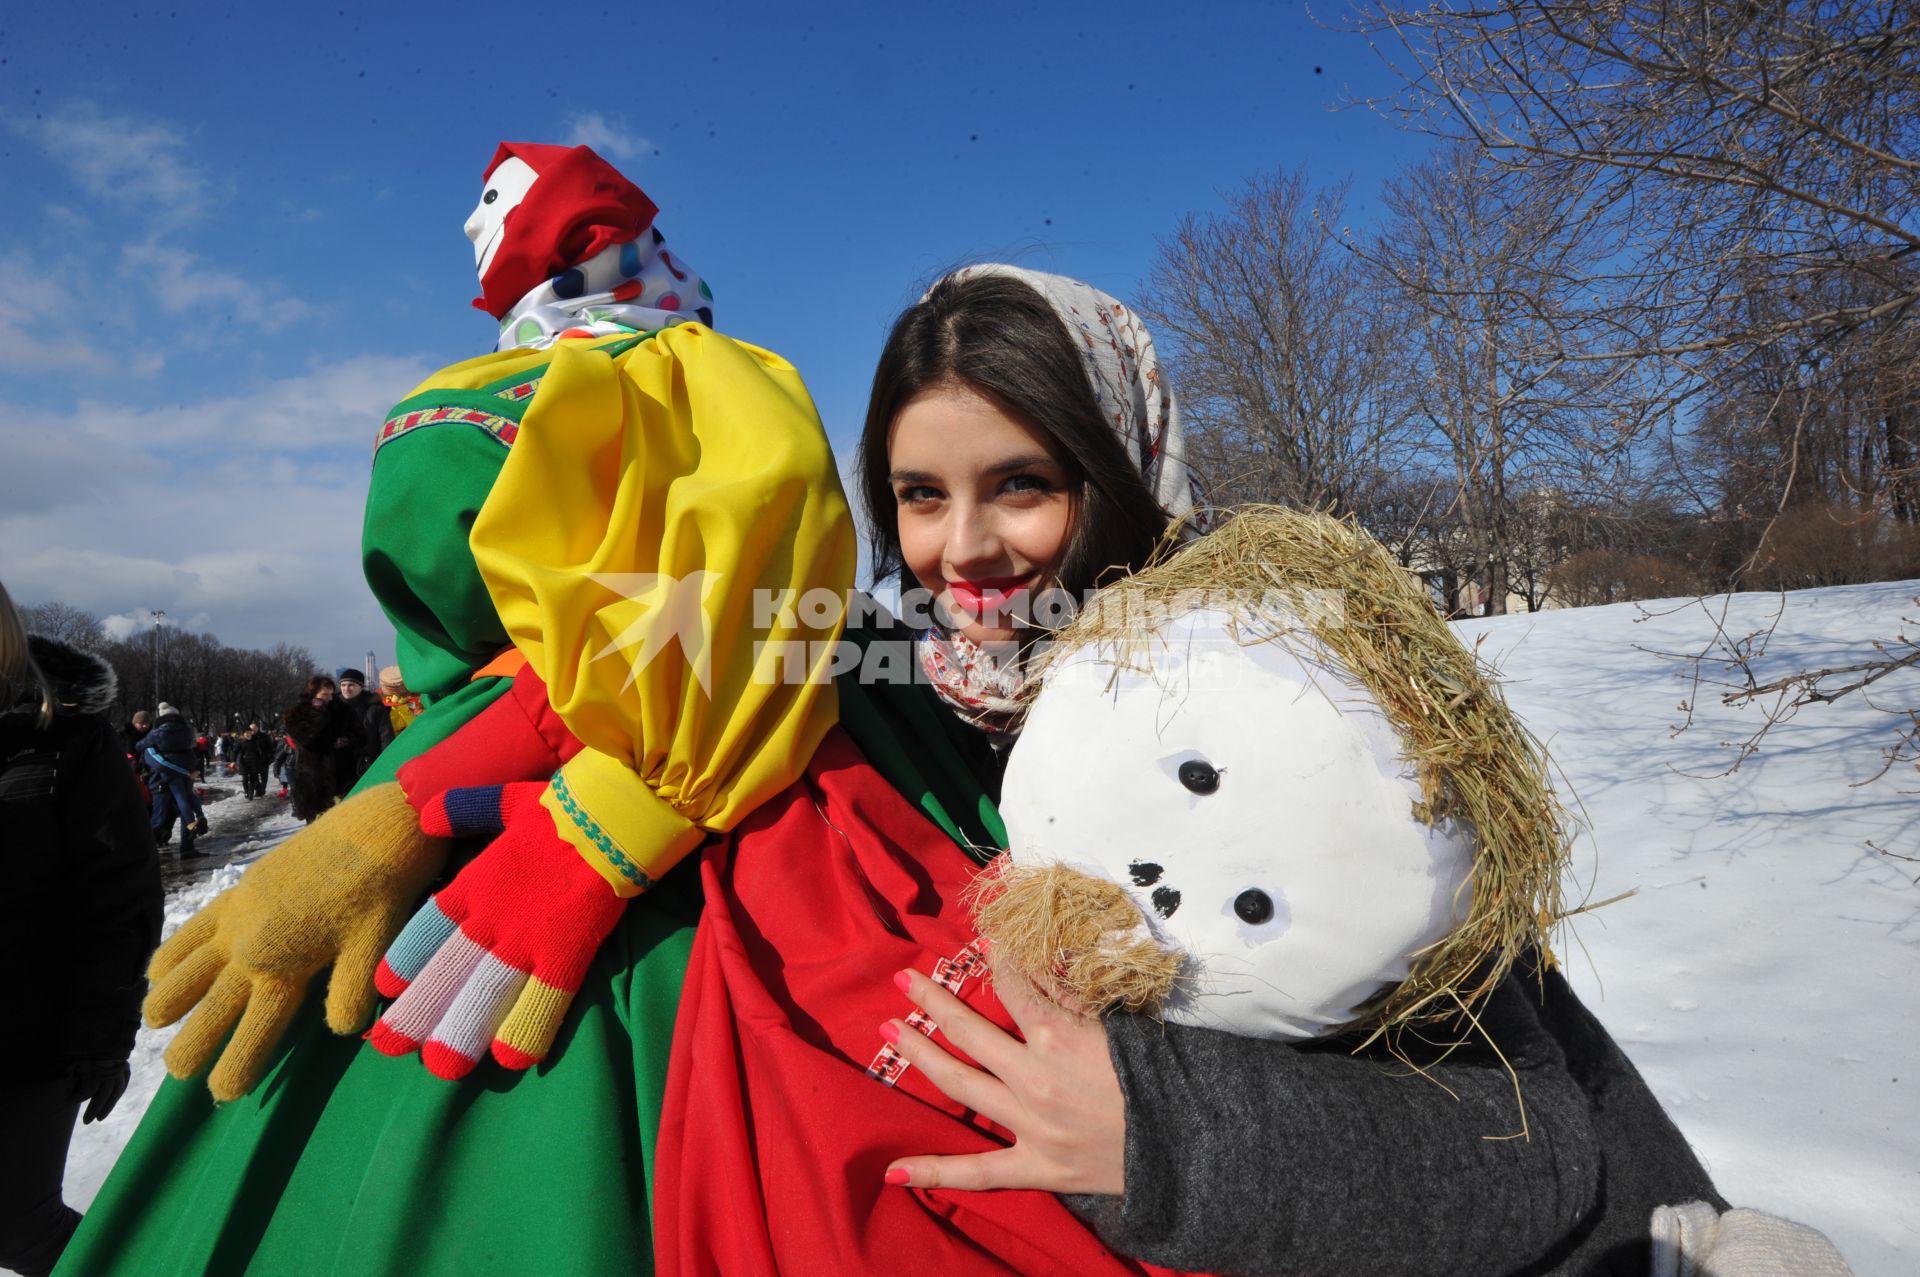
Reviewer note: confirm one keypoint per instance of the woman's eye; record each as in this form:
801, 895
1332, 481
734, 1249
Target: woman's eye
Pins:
916, 494
490, 197
1026, 484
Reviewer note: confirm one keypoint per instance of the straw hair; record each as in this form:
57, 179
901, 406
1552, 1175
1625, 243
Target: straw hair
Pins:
1323, 587
21, 682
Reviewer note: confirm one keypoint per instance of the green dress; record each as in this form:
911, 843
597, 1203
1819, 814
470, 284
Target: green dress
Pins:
344, 1161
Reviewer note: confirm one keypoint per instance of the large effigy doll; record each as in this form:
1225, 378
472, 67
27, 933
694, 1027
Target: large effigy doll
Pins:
568, 535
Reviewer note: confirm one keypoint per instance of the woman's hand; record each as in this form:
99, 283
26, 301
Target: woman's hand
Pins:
1056, 1092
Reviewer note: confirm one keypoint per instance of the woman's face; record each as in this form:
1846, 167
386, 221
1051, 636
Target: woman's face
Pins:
322, 696
983, 503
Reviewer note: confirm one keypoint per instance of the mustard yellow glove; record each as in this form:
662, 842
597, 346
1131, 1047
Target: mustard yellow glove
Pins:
334, 894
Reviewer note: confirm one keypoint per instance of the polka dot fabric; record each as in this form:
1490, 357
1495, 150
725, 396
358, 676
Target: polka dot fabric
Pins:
637, 286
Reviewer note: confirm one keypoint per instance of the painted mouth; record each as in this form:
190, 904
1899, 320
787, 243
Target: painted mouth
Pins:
486, 250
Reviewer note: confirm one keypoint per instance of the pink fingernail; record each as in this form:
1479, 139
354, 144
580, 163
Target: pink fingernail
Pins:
899, 1175
889, 1032
903, 980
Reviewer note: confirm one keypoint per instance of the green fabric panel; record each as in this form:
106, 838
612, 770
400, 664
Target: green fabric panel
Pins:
935, 761
427, 489
346, 1162
439, 721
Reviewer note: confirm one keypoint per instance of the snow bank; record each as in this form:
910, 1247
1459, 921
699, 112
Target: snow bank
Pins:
1763, 976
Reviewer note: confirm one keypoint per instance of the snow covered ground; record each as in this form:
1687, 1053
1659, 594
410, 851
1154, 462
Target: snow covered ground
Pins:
1765, 974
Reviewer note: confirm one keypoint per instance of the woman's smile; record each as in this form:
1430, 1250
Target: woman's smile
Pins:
983, 505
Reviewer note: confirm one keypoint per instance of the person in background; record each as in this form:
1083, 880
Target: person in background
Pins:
139, 725
403, 706
282, 764
255, 751
376, 728
80, 913
328, 738
171, 759
203, 755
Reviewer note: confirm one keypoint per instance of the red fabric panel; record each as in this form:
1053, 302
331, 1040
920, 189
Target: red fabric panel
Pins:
775, 1138
517, 737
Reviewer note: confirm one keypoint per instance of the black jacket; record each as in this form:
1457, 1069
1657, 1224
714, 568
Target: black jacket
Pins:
255, 751
80, 901
375, 723
323, 768
171, 738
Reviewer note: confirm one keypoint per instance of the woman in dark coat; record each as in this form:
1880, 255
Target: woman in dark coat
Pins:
327, 738
79, 914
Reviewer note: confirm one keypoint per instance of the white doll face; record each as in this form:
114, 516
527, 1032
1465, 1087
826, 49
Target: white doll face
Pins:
507, 185
1256, 808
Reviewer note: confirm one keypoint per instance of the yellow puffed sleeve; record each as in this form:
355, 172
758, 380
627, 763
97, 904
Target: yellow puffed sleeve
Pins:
669, 546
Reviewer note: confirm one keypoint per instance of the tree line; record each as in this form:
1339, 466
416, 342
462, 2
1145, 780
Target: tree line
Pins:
1641, 324
217, 687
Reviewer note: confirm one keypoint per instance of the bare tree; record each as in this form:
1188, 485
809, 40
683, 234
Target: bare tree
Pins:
1280, 349
64, 624
1709, 145
1717, 154
1487, 286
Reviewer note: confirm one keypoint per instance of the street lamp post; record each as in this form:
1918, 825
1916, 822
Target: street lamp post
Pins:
157, 617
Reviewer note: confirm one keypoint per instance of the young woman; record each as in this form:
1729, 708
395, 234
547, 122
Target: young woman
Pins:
328, 738
1021, 438
79, 913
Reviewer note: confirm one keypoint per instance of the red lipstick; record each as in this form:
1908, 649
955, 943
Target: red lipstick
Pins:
986, 594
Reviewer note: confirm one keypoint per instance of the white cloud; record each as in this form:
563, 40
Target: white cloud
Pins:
610, 137
183, 282
125, 624
240, 515
135, 161
38, 327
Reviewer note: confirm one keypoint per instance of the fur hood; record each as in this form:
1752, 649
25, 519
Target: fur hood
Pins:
83, 683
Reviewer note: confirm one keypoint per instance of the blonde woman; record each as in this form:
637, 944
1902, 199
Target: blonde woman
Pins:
79, 913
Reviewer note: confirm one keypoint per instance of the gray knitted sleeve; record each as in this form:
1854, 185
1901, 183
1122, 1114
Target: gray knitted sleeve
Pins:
1247, 1156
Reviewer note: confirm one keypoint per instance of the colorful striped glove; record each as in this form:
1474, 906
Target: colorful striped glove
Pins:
496, 958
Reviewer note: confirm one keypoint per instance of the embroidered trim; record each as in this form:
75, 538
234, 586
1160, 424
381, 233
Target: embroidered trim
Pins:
521, 389
505, 429
597, 835
951, 974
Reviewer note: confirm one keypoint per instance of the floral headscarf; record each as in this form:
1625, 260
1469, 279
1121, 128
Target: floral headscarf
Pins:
983, 682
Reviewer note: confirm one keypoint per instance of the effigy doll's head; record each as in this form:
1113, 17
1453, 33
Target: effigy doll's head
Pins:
566, 246
1264, 789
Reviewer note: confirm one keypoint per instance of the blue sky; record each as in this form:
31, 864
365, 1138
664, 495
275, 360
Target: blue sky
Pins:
230, 235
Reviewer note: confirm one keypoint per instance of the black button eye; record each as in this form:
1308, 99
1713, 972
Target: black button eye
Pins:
1254, 906
1199, 776
490, 197
1145, 873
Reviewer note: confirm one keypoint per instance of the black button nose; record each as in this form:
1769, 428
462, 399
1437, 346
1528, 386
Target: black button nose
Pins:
1199, 776
1254, 906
